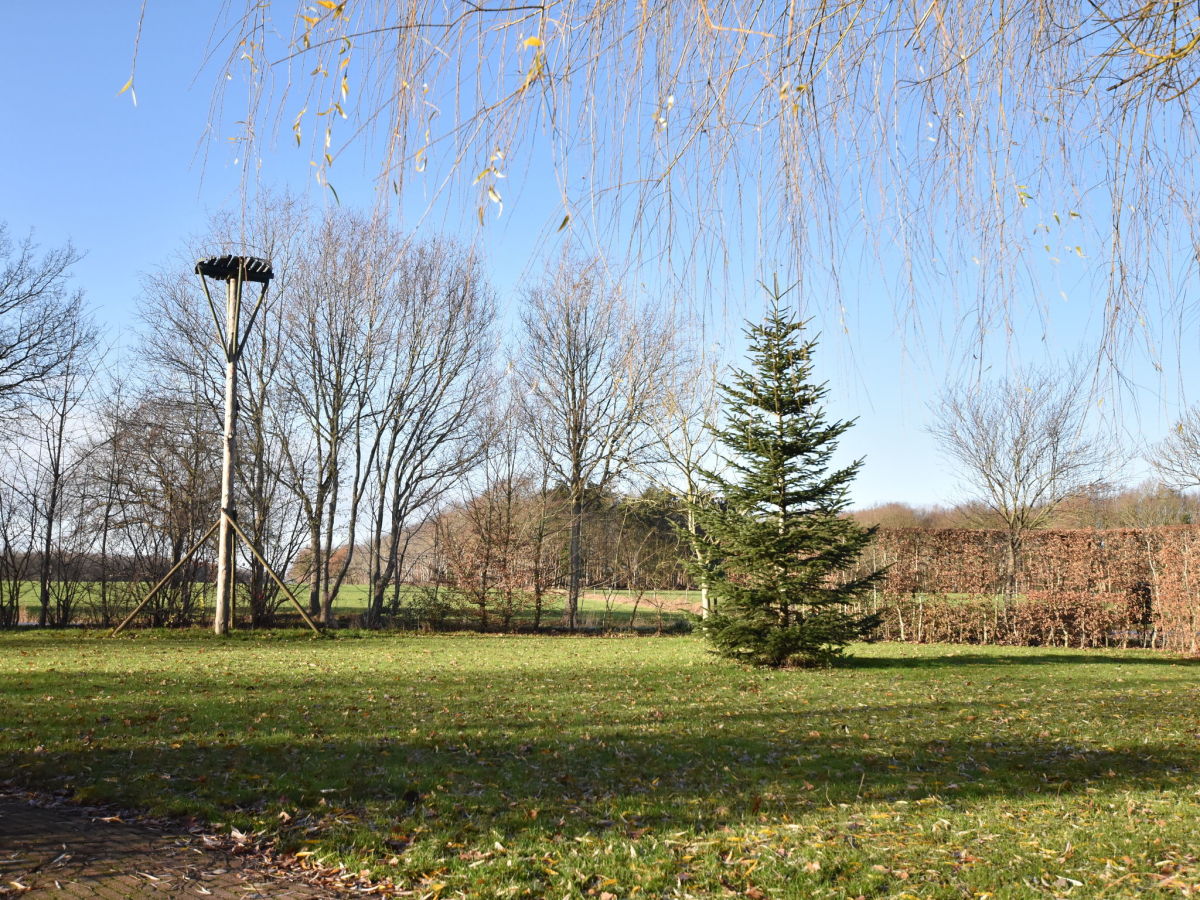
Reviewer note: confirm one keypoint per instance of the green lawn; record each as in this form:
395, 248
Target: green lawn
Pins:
582, 767
655, 609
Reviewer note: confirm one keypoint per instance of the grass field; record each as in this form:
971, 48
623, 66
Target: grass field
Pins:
619, 610
620, 767
654, 609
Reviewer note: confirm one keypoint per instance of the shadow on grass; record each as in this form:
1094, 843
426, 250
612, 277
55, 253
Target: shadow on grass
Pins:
457, 774
955, 658
674, 784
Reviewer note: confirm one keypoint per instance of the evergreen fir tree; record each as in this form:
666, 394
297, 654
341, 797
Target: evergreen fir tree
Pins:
782, 549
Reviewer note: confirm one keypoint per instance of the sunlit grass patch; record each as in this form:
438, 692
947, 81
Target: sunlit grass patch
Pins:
634, 766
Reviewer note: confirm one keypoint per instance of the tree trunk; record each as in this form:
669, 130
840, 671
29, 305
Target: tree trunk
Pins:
698, 551
58, 438
570, 614
47, 545
1012, 563
314, 581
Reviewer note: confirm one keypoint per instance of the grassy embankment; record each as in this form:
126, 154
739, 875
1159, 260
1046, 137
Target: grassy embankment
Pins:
526, 766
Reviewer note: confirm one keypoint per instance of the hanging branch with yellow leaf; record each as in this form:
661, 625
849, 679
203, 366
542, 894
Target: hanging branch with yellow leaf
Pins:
721, 121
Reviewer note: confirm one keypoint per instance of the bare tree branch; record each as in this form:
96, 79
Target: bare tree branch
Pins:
1024, 446
38, 315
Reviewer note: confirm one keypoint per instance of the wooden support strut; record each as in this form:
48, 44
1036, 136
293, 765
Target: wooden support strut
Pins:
280, 583
287, 592
175, 568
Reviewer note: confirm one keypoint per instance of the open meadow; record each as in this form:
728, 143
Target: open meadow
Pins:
421, 608
466, 765
598, 609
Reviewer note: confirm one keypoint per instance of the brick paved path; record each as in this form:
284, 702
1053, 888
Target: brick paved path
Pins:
71, 853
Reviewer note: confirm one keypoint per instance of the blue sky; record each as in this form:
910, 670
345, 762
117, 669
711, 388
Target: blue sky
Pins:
127, 185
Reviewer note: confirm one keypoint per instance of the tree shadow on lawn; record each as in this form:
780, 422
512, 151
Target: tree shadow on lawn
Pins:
458, 789
956, 659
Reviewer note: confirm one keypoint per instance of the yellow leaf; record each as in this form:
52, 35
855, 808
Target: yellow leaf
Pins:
535, 70
129, 87
493, 195
533, 42
565, 221
328, 4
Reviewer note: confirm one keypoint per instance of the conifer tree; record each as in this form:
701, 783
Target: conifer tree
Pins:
782, 549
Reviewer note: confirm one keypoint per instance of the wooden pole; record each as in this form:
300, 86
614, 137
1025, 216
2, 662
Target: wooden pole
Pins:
226, 559
234, 270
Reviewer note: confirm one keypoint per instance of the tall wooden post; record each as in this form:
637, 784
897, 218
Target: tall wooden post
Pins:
234, 271
226, 560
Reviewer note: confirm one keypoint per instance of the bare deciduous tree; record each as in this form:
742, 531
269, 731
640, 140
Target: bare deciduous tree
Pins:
18, 535
435, 389
333, 357
39, 312
593, 367
53, 410
685, 440
1024, 446
1176, 458
167, 494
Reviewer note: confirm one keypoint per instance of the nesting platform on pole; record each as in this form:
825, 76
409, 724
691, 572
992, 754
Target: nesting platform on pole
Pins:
235, 271
226, 268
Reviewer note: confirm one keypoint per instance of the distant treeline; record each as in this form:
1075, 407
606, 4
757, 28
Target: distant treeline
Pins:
1143, 506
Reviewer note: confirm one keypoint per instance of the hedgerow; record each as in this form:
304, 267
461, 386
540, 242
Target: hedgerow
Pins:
1076, 588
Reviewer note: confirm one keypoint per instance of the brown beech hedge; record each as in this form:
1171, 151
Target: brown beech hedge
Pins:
1076, 588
